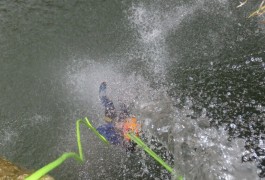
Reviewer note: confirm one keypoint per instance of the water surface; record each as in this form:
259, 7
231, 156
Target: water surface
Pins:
191, 71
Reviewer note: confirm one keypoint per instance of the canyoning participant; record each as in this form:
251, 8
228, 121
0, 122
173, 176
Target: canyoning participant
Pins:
119, 123
117, 127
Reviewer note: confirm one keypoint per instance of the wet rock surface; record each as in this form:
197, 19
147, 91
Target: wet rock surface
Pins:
10, 171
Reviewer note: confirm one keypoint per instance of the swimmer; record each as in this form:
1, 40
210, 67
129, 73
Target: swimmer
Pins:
117, 126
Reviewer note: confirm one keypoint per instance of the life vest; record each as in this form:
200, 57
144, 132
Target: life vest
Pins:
130, 125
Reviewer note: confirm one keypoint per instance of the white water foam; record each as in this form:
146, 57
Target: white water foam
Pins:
153, 24
203, 152
133, 90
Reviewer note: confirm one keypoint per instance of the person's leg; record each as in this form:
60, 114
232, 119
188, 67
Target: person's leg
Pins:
110, 111
124, 112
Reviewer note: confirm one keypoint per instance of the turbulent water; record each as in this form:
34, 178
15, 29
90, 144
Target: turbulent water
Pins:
193, 73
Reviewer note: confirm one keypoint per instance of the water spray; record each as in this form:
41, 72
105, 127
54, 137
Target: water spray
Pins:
80, 157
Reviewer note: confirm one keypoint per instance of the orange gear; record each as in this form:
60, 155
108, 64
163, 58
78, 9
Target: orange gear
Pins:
130, 125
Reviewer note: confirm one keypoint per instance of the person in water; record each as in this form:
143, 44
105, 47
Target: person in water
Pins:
117, 126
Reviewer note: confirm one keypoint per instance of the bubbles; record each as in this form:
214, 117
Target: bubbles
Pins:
38, 120
256, 59
162, 130
152, 107
232, 125
260, 108
152, 23
7, 136
202, 151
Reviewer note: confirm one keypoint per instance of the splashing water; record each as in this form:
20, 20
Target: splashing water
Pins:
169, 61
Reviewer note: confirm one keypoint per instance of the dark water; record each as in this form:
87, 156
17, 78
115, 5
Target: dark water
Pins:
192, 71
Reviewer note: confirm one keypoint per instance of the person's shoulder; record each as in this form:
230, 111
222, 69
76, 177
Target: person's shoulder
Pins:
106, 125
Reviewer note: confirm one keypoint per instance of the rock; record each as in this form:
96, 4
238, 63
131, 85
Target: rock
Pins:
9, 171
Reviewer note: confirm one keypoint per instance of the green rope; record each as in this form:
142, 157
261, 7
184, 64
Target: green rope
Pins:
80, 157
153, 154
41, 172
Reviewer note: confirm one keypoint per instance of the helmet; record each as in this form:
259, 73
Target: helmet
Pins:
130, 125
